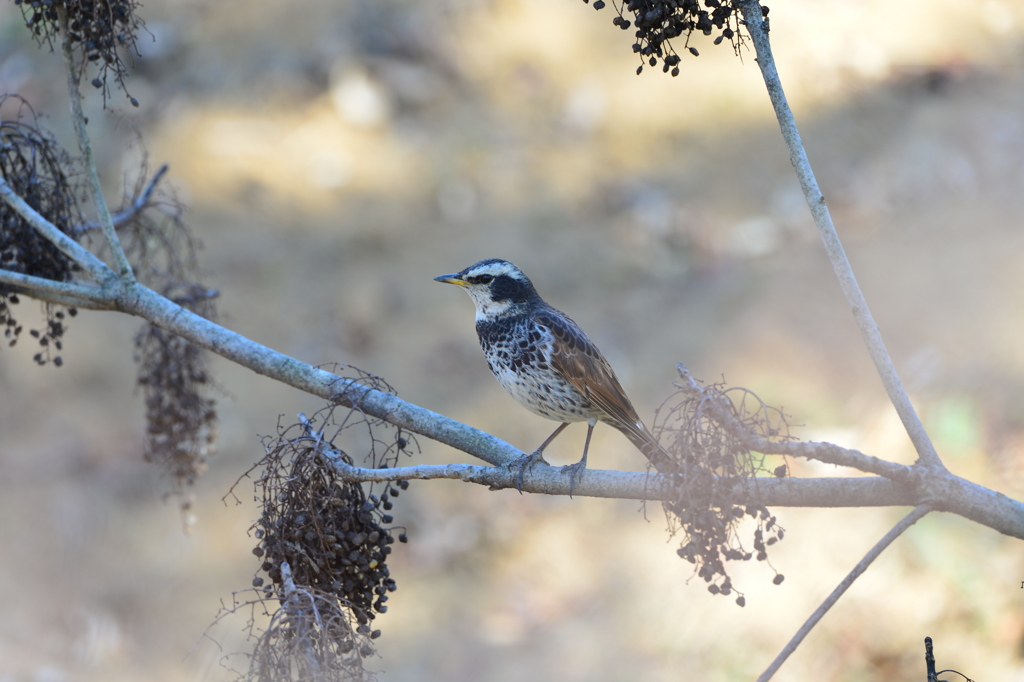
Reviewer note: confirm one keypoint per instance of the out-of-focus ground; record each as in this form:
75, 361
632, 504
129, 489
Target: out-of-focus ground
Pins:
336, 156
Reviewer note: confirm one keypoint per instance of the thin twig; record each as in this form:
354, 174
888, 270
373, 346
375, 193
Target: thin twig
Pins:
721, 409
123, 268
830, 453
299, 619
823, 220
140, 204
906, 522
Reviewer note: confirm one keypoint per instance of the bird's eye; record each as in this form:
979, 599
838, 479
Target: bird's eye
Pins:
485, 279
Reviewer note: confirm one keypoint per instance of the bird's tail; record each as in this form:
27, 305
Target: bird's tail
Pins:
650, 448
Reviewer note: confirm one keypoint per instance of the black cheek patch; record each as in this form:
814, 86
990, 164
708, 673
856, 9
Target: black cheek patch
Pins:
504, 288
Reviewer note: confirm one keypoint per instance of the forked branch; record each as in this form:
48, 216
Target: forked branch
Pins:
929, 470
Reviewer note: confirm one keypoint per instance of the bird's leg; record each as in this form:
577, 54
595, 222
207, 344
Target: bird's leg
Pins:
526, 461
574, 470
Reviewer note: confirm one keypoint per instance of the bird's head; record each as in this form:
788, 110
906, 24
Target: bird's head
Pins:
498, 288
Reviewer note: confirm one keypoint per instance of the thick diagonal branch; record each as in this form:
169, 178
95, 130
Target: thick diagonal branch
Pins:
836, 254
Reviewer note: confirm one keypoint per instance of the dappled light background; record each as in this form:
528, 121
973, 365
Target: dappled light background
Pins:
336, 156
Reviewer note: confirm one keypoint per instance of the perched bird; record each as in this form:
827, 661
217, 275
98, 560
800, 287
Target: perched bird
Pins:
546, 362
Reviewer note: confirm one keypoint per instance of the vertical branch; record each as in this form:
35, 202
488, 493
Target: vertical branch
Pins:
929, 660
819, 613
124, 269
840, 264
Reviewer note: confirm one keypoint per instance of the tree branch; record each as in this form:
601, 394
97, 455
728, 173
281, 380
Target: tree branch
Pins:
819, 613
140, 301
124, 269
833, 247
550, 480
299, 621
942, 491
96, 268
71, 293
927, 484
830, 453
140, 204
905, 485
722, 410
949, 492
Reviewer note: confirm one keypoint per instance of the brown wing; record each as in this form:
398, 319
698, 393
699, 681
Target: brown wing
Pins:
578, 361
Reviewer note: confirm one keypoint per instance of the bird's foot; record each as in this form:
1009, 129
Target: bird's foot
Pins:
574, 471
523, 463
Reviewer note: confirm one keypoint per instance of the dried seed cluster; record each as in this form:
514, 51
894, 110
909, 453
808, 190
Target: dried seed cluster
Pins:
181, 420
707, 430
658, 22
35, 167
50, 338
181, 415
334, 535
96, 28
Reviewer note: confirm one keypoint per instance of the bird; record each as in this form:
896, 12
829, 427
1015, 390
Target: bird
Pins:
548, 364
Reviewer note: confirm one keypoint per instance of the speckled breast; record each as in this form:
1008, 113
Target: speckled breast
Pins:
518, 351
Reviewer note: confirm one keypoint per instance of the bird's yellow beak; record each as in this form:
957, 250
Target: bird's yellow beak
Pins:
451, 279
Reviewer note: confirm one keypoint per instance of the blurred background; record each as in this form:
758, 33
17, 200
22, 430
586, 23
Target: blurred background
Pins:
335, 156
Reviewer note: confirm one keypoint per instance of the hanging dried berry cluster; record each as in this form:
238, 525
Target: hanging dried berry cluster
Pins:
334, 536
96, 28
181, 420
181, 415
706, 432
35, 168
658, 22
331, 533
51, 337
